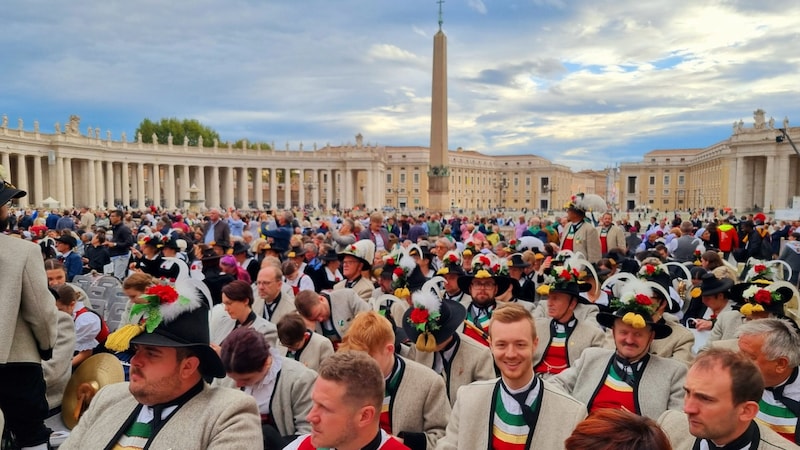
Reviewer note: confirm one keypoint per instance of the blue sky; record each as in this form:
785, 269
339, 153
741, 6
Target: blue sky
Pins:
586, 83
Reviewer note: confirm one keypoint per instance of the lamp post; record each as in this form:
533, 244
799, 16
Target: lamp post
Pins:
310, 186
501, 186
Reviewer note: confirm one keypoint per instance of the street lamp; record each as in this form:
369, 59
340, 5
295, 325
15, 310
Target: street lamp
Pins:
785, 135
501, 185
310, 186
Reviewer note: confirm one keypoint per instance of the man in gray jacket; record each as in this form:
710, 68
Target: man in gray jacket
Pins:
27, 332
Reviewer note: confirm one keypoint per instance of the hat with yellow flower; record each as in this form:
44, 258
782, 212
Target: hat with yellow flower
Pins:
762, 296
171, 317
451, 264
564, 279
636, 307
486, 266
430, 321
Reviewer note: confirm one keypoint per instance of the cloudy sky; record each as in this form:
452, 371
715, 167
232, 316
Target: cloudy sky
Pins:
586, 83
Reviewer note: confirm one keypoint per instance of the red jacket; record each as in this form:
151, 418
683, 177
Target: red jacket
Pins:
728, 237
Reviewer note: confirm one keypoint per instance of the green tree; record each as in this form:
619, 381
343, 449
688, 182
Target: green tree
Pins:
189, 128
251, 145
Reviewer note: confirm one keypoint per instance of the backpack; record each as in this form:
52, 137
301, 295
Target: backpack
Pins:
102, 335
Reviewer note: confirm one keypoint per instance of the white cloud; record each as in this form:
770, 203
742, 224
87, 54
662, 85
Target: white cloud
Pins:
477, 6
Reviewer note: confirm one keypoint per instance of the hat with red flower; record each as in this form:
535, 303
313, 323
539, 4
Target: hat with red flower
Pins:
636, 307
487, 266
451, 264
564, 279
171, 317
762, 296
430, 321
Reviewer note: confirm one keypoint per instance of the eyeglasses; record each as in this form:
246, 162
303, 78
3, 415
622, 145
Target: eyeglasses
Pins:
484, 286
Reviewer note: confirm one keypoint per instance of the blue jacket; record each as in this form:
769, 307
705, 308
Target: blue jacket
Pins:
280, 236
73, 264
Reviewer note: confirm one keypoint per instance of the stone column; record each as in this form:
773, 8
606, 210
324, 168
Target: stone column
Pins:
59, 193
244, 198
227, 200
22, 180
170, 191
258, 187
315, 190
117, 182
126, 185
781, 194
110, 192
329, 190
69, 193
156, 184
739, 192
7, 165
101, 185
214, 188
369, 191
38, 176
140, 188
769, 185
287, 190
301, 189
92, 184
348, 185
201, 184
185, 185
273, 188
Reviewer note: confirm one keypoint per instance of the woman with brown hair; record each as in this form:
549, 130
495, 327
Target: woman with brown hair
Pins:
617, 429
235, 311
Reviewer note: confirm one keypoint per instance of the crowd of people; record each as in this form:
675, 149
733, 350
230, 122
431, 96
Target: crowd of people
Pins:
367, 330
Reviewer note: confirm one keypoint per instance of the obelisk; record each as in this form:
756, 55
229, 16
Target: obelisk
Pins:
439, 172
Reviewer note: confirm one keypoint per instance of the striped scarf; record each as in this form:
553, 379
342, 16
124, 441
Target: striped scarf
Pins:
509, 428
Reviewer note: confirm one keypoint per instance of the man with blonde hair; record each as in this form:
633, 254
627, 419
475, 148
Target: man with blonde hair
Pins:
415, 406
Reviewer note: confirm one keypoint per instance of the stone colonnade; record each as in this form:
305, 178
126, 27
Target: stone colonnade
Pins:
77, 170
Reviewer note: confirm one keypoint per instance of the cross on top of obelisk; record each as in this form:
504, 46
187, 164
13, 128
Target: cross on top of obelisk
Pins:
441, 21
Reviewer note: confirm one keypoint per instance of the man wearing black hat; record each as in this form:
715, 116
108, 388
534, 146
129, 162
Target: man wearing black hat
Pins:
457, 359
580, 235
245, 259
524, 287
562, 336
715, 293
486, 284
628, 377
328, 274
27, 331
451, 270
72, 261
679, 343
171, 266
167, 403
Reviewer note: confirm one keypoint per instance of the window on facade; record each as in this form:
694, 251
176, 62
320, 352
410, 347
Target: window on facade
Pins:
651, 201
666, 180
402, 178
631, 185
527, 181
652, 180
666, 192
666, 201
389, 178
416, 178
681, 180
416, 201
651, 192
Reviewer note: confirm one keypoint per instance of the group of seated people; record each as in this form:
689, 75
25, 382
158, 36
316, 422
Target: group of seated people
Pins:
514, 347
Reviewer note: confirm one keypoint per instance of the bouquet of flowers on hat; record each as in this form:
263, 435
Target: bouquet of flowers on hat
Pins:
636, 302
151, 238
512, 245
762, 296
557, 276
403, 264
698, 258
162, 302
765, 270
469, 246
489, 264
650, 270
449, 260
424, 317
